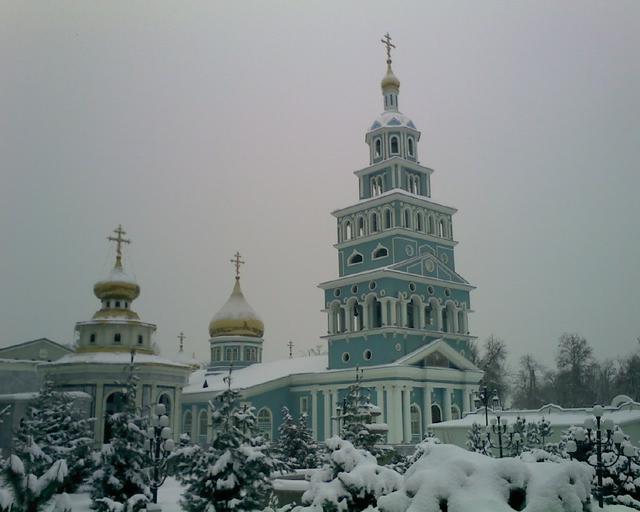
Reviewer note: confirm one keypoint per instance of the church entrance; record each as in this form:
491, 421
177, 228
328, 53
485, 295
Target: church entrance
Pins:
115, 403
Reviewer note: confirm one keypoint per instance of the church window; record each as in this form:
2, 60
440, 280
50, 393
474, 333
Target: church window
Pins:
336, 292
410, 146
436, 414
420, 221
345, 357
388, 219
431, 227
126, 304
348, 231
202, 426
250, 354
367, 355
413, 183
304, 405
108, 304
445, 320
443, 229
117, 303
140, 339
232, 354
355, 258
216, 354
377, 187
380, 252
117, 338
416, 424
447, 292
411, 317
374, 222
187, 423
92, 338
427, 314
407, 218
395, 146
265, 423
378, 148
360, 225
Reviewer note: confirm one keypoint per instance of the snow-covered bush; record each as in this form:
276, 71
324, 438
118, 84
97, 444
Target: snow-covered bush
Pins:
351, 481
296, 446
477, 440
450, 478
54, 429
25, 491
234, 473
121, 482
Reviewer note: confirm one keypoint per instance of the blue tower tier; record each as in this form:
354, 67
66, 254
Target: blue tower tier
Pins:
397, 287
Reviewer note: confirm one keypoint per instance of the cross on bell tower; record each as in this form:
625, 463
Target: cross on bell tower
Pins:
119, 240
386, 40
181, 337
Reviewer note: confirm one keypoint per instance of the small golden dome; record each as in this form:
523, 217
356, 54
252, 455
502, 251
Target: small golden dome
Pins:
118, 285
390, 81
236, 318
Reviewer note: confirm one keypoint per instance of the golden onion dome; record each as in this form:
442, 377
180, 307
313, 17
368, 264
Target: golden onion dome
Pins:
118, 285
236, 318
390, 81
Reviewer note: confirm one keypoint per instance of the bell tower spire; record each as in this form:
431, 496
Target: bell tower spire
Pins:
390, 83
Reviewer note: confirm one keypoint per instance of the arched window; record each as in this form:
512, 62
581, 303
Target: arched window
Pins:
117, 338
387, 219
431, 227
445, 320
265, 423
416, 424
202, 426
374, 222
377, 186
348, 231
357, 316
461, 322
166, 401
407, 218
116, 402
410, 146
360, 222
187, 423
427, 314
377, 152
436, 414
420, 221
355, 258
374, 312
380, 252
443, 228
395, 146
92, 338
455, 412
140, 339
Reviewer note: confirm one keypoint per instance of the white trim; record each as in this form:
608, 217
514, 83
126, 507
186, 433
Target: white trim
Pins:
355, 253
396, 194
397, 231
270, 432
377, 248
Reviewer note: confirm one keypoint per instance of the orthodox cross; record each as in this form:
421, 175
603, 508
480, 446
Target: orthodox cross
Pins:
181, 337
386, 40
237, 262
119, 240
290, 345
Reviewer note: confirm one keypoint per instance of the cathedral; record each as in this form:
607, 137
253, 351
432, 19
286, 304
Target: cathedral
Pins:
397, 316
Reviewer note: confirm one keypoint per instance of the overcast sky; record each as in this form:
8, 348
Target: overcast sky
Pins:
210, 127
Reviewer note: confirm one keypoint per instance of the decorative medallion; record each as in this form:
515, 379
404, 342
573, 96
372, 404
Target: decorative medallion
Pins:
429, 265
398, 347
409, 250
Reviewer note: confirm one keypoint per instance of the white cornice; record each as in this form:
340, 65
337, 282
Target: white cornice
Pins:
389, 162
396, 194
386, 272
397, 231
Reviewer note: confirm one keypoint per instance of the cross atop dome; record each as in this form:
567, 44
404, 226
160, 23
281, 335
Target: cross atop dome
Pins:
386, 40
237, 262
119, 240
390, 83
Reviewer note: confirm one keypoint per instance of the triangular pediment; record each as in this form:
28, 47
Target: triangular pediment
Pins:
438, 354
428, 265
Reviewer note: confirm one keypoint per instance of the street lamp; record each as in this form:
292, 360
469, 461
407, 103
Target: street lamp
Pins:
614, 443
502, 427
159, 445
482, 398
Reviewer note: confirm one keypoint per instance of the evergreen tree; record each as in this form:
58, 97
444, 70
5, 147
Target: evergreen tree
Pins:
58, 429
234, 473
122, 479
296, 445
477, 440
358, 418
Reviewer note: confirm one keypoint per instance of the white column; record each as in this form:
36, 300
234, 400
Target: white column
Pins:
393, 302
331, 327
314, 413
426, 413
466, 401
454, 314
194, 423
346, 327
420, 316
446, 404
326, 399
380, 400
99, 414
438, 310
395, 409
406, 414
365, 315
403, 313
177, 413
385, 310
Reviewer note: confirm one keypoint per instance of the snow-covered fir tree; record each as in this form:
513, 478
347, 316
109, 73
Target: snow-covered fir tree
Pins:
53, 429
28, 492
296, 446
234, 473
477, 440
122, 478
358, 416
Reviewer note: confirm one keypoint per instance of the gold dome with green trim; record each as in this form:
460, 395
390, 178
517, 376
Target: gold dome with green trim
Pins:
236, 317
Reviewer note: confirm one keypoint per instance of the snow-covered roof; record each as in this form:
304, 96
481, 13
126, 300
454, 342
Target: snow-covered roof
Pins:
118, 274
392, 119
256, 374
112, 358
25, 397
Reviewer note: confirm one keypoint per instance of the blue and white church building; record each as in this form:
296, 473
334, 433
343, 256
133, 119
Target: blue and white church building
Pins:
398, 309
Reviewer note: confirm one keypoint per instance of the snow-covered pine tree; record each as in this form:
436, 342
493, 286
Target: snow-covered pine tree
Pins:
357, 416
477, 440
122, 478
52, 429
27, 491
296, 446
234, 473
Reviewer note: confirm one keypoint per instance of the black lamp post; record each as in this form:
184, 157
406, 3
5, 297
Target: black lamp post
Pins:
593, 436
501, 427
159, 445
482, 398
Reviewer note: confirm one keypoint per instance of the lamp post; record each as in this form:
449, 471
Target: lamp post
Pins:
501, 427
592, 435
159, 445
482, 398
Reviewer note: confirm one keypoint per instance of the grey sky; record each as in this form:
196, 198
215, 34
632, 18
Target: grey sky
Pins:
210, 127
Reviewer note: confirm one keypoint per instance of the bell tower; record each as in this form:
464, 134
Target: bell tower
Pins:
397, 287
